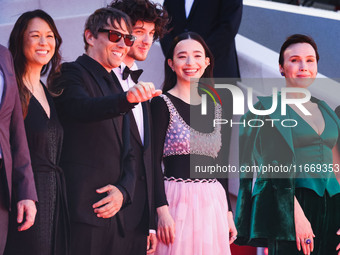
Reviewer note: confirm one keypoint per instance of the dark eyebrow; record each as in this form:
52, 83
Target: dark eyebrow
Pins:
196, 51
297, 56
142, 27
37, 31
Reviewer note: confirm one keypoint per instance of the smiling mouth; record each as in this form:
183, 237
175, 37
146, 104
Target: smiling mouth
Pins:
42, 52
303, 76
143, 48
119, 54
190, 71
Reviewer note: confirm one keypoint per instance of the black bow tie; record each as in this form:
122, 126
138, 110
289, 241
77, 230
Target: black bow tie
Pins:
134, 74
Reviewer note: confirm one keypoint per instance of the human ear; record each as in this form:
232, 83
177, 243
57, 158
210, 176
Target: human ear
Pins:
207, 61
89, 37
282, 70
170, 63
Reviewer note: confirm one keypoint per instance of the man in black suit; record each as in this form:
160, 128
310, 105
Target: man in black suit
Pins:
217, 21
148, 21
16, 176
97, 158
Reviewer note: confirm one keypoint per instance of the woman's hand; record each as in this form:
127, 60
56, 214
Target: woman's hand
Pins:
303, 230
166, 225
232, 228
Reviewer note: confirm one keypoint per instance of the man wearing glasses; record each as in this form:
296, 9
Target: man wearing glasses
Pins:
149, 21
97, 157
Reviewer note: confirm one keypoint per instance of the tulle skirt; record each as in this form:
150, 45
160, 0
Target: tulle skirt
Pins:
200, 214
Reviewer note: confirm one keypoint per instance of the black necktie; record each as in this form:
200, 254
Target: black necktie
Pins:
134, 74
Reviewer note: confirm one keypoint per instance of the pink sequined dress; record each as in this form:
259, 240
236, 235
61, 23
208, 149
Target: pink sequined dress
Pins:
199, 207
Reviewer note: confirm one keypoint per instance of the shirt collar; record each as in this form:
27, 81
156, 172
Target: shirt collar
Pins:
133, 67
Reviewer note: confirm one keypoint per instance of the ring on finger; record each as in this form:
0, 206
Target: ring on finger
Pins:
308, 241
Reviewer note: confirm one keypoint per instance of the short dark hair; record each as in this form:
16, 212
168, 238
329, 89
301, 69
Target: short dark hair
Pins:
170, 77
16, 47
297, 38
146, 11
100, 18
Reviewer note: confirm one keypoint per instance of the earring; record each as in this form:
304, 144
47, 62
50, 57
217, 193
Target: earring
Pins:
282, 74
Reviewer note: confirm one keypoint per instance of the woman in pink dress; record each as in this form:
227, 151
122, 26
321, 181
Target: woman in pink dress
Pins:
194, 215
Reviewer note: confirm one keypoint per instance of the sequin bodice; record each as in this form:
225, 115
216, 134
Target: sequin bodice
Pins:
181, 139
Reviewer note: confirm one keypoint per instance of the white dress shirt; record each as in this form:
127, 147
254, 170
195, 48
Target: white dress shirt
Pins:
126, 85
188, 6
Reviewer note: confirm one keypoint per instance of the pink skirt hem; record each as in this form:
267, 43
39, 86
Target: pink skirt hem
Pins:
200, 214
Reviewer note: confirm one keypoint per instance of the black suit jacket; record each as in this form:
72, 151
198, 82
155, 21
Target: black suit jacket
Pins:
141, 212
217, 21
95, 151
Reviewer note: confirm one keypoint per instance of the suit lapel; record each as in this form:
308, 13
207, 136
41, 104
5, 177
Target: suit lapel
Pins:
331, 113
180, 3
134, 128
4, 89
117, 85
102, 81
8, 77
107, 87
286, 132
193, 8
133, 124
147, 129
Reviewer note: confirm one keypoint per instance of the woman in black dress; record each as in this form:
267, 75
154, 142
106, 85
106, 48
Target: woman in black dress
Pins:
34, 43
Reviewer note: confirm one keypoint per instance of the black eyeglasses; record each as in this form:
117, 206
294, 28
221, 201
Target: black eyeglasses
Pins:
115, 36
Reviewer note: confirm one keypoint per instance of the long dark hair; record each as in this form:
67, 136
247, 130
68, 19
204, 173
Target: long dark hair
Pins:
16, 47
170, 78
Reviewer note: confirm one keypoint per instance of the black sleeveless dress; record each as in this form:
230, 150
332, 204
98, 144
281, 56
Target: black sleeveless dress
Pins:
50, 233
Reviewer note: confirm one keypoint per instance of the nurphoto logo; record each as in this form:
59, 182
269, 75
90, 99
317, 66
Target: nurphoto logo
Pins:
239, 98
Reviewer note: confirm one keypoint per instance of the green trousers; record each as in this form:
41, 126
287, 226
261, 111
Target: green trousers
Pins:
324, 215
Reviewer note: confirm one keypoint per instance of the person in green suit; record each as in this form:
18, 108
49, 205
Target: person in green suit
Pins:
295, 211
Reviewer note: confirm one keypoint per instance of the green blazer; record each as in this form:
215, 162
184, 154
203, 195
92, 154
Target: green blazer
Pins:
266, 211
